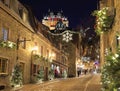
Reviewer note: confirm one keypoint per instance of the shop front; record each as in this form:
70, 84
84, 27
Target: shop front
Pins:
60, 70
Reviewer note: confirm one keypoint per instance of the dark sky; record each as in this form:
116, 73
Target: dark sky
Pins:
75, 10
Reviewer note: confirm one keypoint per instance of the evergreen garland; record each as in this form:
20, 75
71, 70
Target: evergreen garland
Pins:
103, 20
111, 72
8, 44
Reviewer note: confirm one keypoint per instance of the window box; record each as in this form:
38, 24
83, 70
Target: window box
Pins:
3, 74
8, 44
104, 19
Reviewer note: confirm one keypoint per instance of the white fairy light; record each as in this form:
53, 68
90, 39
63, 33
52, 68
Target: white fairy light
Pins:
67, 36
113, 58
118, 38
116, 55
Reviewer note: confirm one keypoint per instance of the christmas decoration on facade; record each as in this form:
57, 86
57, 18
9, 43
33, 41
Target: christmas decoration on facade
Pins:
17, 76
67, 36
8, 44
104, 19
110, 72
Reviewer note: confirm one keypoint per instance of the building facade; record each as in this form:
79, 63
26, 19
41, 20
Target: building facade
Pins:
51, 20
21, 41
109, 40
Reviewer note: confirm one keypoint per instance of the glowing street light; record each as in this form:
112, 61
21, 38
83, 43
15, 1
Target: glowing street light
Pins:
34, 49
51, 56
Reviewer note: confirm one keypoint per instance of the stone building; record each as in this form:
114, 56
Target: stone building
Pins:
58, 23
51, 20
109, 39
22, 41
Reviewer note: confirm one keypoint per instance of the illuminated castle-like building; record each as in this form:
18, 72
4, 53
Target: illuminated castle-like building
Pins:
51, 20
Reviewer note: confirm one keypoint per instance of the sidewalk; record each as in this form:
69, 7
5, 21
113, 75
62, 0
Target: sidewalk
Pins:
30, 86
95, 81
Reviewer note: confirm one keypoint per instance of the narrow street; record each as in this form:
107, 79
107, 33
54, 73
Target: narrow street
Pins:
82, 83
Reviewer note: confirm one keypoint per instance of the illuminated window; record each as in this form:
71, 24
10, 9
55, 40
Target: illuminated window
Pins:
60, 25
5, 33
3, 66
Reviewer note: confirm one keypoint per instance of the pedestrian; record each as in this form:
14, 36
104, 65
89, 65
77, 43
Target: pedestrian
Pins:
85, 71
56, 73
78, 73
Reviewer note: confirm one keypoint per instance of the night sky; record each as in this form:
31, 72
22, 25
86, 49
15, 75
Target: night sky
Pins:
75, 10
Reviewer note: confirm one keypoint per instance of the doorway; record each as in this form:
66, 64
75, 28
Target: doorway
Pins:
46, 73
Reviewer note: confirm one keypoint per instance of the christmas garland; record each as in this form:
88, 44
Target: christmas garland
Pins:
8, 44
103, 20
41, 58
111, 72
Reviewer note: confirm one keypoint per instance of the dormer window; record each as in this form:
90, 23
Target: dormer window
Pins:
25, 16
6, 2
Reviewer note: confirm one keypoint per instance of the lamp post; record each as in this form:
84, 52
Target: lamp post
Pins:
33, 52
17, 74
18, 43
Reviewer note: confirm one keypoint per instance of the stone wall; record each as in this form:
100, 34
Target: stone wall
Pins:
109, 39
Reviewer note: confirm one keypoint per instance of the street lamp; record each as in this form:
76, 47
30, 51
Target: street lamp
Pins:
18, 43
52, 55
34, 49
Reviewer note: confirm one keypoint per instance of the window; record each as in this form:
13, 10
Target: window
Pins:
60, 25
47, 55
5, 34
25, 16
34, 68
3, 66
41, 51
